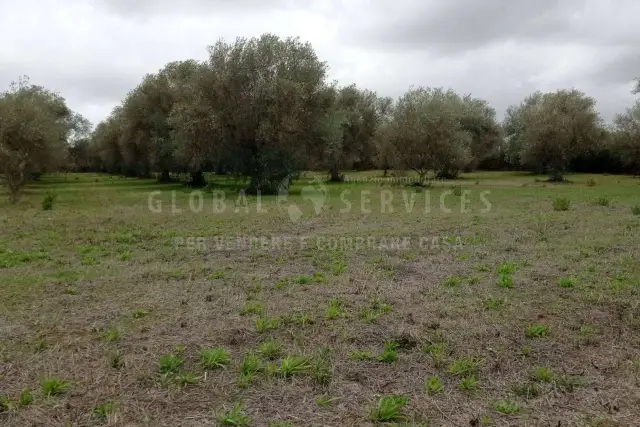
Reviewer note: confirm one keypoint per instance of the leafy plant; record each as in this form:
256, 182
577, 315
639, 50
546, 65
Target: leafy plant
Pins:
186, 379
507, 407
507, 268
293, 365
47, 202
214, 358
170, 364
302, 280
54, 386
139, 314
542, 374
235, 417
437, 351
433, 385
334, 310
536, 331
505, 281
603, 201
264, 324
104, 410
495, 303
561, 204
270, 349
251, 308
390, 352
635, 210
452, 281
362, 355
526, 390
111, 335
568, 282
115, 360
26, 398
464, 366
469, 383
388, 409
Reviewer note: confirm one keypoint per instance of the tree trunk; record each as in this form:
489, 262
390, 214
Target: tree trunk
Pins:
335, 174
165, 177
197, 179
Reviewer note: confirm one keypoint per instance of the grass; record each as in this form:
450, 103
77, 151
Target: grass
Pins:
334, 309
433, 385
235, 417
54, 386
270, 349
469, 383
104, 410
390, 352
561, 204
132, 274
568, 282
388, 409
506, 407
264, 324
170, 364
464, 366
536, 331
293, 365
214, 358
542, 374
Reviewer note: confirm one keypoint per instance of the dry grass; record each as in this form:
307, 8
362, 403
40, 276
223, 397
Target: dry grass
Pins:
138, 298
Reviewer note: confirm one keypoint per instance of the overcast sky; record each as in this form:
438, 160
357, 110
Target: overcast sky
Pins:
94, 51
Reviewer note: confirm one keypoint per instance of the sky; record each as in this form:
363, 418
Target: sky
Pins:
94, 51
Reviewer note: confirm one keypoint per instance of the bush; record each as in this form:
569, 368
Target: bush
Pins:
47, 202
635, 210
561, 204
603, 201
591, 182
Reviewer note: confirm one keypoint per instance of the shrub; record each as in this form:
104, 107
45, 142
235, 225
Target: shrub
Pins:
603, 201
635, 210
591, 182
457, 191
561, 204
47, 202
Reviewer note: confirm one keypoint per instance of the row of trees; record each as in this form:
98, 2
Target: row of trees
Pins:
263, 108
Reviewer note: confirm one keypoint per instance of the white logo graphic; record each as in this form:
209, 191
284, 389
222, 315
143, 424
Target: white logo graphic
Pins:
314, 192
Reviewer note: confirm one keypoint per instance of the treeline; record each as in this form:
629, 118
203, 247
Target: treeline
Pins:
263, 108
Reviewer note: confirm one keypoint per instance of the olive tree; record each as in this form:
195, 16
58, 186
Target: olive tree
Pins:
626, 137
550, 130
426, 132
268, 94
34, 126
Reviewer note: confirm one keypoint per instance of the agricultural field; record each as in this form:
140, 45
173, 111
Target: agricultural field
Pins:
493, 300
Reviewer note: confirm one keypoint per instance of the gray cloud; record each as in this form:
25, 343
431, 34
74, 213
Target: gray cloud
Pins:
94, 51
